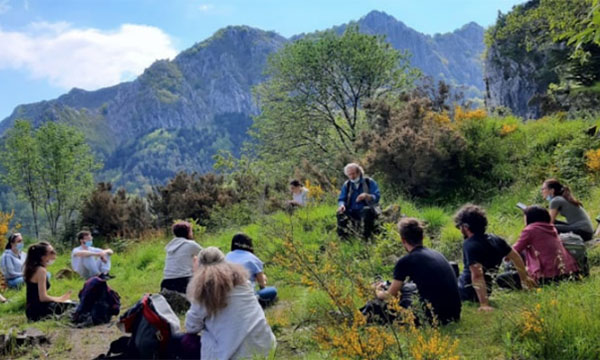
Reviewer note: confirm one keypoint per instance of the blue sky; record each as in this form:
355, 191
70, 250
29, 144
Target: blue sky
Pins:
48, 47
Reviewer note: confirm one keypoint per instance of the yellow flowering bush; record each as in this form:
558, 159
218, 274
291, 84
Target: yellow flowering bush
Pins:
461, 114
507, 129
593, 160
5, 219
315, 192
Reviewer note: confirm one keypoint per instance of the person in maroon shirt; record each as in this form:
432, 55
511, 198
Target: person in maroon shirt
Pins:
546, 258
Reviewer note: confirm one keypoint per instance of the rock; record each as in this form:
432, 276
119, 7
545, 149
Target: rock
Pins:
176, 300
26, 338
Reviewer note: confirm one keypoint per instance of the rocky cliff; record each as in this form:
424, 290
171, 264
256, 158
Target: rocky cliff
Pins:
179, 113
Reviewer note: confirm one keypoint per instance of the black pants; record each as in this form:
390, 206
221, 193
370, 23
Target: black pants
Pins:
563, 227
178, 284
352, 221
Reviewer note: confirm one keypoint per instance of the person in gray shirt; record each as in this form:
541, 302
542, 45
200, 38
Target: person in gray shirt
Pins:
562, 202
179, 262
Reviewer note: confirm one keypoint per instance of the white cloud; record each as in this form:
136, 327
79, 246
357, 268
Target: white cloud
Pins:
206, 7
85, 58
4, 6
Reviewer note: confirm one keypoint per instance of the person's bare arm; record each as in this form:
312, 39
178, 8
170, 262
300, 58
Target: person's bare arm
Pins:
526, 281
40, 278
261, 279
478, 283
391, 292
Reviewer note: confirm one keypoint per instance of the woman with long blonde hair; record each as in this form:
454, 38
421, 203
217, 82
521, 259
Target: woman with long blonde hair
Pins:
225, 309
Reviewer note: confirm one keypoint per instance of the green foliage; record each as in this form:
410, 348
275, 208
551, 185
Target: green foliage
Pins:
559, 41
66, 168
411, 148
189, 196
115, 215
311, 104
51, 168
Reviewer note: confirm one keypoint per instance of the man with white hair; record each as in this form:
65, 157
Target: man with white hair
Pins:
357, 202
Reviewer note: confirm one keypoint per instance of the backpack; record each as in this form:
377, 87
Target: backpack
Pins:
575, 246
151, 323
97, 303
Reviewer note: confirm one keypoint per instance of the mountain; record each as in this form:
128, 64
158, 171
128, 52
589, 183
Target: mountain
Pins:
179, 113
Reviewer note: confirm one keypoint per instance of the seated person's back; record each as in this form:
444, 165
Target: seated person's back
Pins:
546, 257
431, 273
435, 280
225, 310
179, 262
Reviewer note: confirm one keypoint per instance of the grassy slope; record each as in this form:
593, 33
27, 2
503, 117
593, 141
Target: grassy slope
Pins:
569, 308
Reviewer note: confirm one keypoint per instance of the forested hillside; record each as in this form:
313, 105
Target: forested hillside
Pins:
179, 113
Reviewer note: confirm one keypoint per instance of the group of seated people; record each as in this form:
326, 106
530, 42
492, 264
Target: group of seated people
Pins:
222, 288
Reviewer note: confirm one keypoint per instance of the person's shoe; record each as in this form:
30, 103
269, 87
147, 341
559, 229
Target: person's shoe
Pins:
107, 276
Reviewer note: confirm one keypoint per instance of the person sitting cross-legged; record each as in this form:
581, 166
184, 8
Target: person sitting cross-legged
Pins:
431, 273
225, 312
89, 261
482, 255
13, 261
357, 203
242, 252
546, 258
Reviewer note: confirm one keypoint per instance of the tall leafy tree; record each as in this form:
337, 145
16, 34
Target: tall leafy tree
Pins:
21, 162
311, 104
65, 171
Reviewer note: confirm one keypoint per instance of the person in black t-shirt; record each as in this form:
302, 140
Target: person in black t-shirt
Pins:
482, 255
429, 270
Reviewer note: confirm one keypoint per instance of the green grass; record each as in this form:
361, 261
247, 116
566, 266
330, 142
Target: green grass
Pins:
570, 311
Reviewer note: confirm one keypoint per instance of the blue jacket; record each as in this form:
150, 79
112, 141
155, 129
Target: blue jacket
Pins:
352, 205
12, 265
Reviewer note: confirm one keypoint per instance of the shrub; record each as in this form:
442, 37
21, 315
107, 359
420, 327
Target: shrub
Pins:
189, 196
411, 149
113, 215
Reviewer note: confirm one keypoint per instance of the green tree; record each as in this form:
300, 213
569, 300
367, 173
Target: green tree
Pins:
21, 162
311, 104
65, 171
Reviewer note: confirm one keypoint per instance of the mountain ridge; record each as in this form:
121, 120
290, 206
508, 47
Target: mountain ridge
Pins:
205, 93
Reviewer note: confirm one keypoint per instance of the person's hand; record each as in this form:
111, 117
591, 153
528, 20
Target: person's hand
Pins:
341, 209
362, 197
103, 258
66, 296
529, 283
485, 308
108, 252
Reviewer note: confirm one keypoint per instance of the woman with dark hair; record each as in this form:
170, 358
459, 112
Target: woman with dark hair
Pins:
546, 258
242, 252
562, 202
179, 262
299, 194
39, 304
13, 260
224, 309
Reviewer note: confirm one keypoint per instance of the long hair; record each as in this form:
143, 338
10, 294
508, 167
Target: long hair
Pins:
11, 240
34, 258
242, 241
214, 279
562, 190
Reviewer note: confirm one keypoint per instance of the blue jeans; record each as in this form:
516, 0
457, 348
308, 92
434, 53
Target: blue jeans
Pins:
15, 283
266, 295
